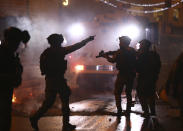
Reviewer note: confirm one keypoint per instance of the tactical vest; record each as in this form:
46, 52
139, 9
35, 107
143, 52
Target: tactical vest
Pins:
149, 64
10, 69
52, 62
125, 62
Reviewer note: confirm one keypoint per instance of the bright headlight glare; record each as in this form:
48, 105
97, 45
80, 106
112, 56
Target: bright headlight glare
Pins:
130, 30
79, 68
138, 46
76, 30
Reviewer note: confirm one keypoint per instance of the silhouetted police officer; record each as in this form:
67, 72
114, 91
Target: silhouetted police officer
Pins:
53, 66
174, 83
148, 68
124, 58
10, 72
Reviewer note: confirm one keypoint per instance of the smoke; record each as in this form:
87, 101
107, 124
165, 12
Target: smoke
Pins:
31, 93
40, 25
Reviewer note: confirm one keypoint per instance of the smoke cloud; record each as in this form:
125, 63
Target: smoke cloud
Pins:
31, 93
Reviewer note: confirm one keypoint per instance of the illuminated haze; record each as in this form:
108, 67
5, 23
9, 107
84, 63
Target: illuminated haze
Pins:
41, 26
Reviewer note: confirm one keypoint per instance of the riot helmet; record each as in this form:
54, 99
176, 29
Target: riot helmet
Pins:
55, 40
124, 40
145, 44
14, 36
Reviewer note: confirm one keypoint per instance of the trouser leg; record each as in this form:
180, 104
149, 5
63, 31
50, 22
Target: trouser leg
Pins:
129, 86
117, 93
118, 102
6, 110
142, 95
152, 105
48, 102
65, 109
143, 103
64, 96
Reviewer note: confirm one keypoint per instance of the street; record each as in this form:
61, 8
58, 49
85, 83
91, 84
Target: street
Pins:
99, 114
93, 48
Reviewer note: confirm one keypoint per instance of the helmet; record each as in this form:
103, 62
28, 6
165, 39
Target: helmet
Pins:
16, 35
25, 36
145, 43
55, 39
125, 39
13, 34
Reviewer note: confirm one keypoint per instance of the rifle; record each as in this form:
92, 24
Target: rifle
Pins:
103, 54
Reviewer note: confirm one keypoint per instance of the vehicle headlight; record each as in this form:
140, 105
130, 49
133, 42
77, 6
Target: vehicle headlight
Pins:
79, 68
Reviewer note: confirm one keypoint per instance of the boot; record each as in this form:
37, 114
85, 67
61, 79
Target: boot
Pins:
34, 123
68, 127
119, 112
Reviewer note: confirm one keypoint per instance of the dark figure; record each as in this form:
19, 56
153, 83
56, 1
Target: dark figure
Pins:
10, 72
148, 68
174, 84
125, 59
53, 66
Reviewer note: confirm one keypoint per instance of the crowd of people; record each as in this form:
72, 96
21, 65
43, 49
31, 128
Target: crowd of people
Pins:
143, 64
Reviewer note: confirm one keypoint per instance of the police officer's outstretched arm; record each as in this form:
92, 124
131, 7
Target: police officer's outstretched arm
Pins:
77, 46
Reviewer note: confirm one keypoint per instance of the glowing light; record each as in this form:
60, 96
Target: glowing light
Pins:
14, 98
131, 31
145, 5
146, 29
104, 67
108, 3
65, 3
0, 42
138, 46
76, 30
79, 68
